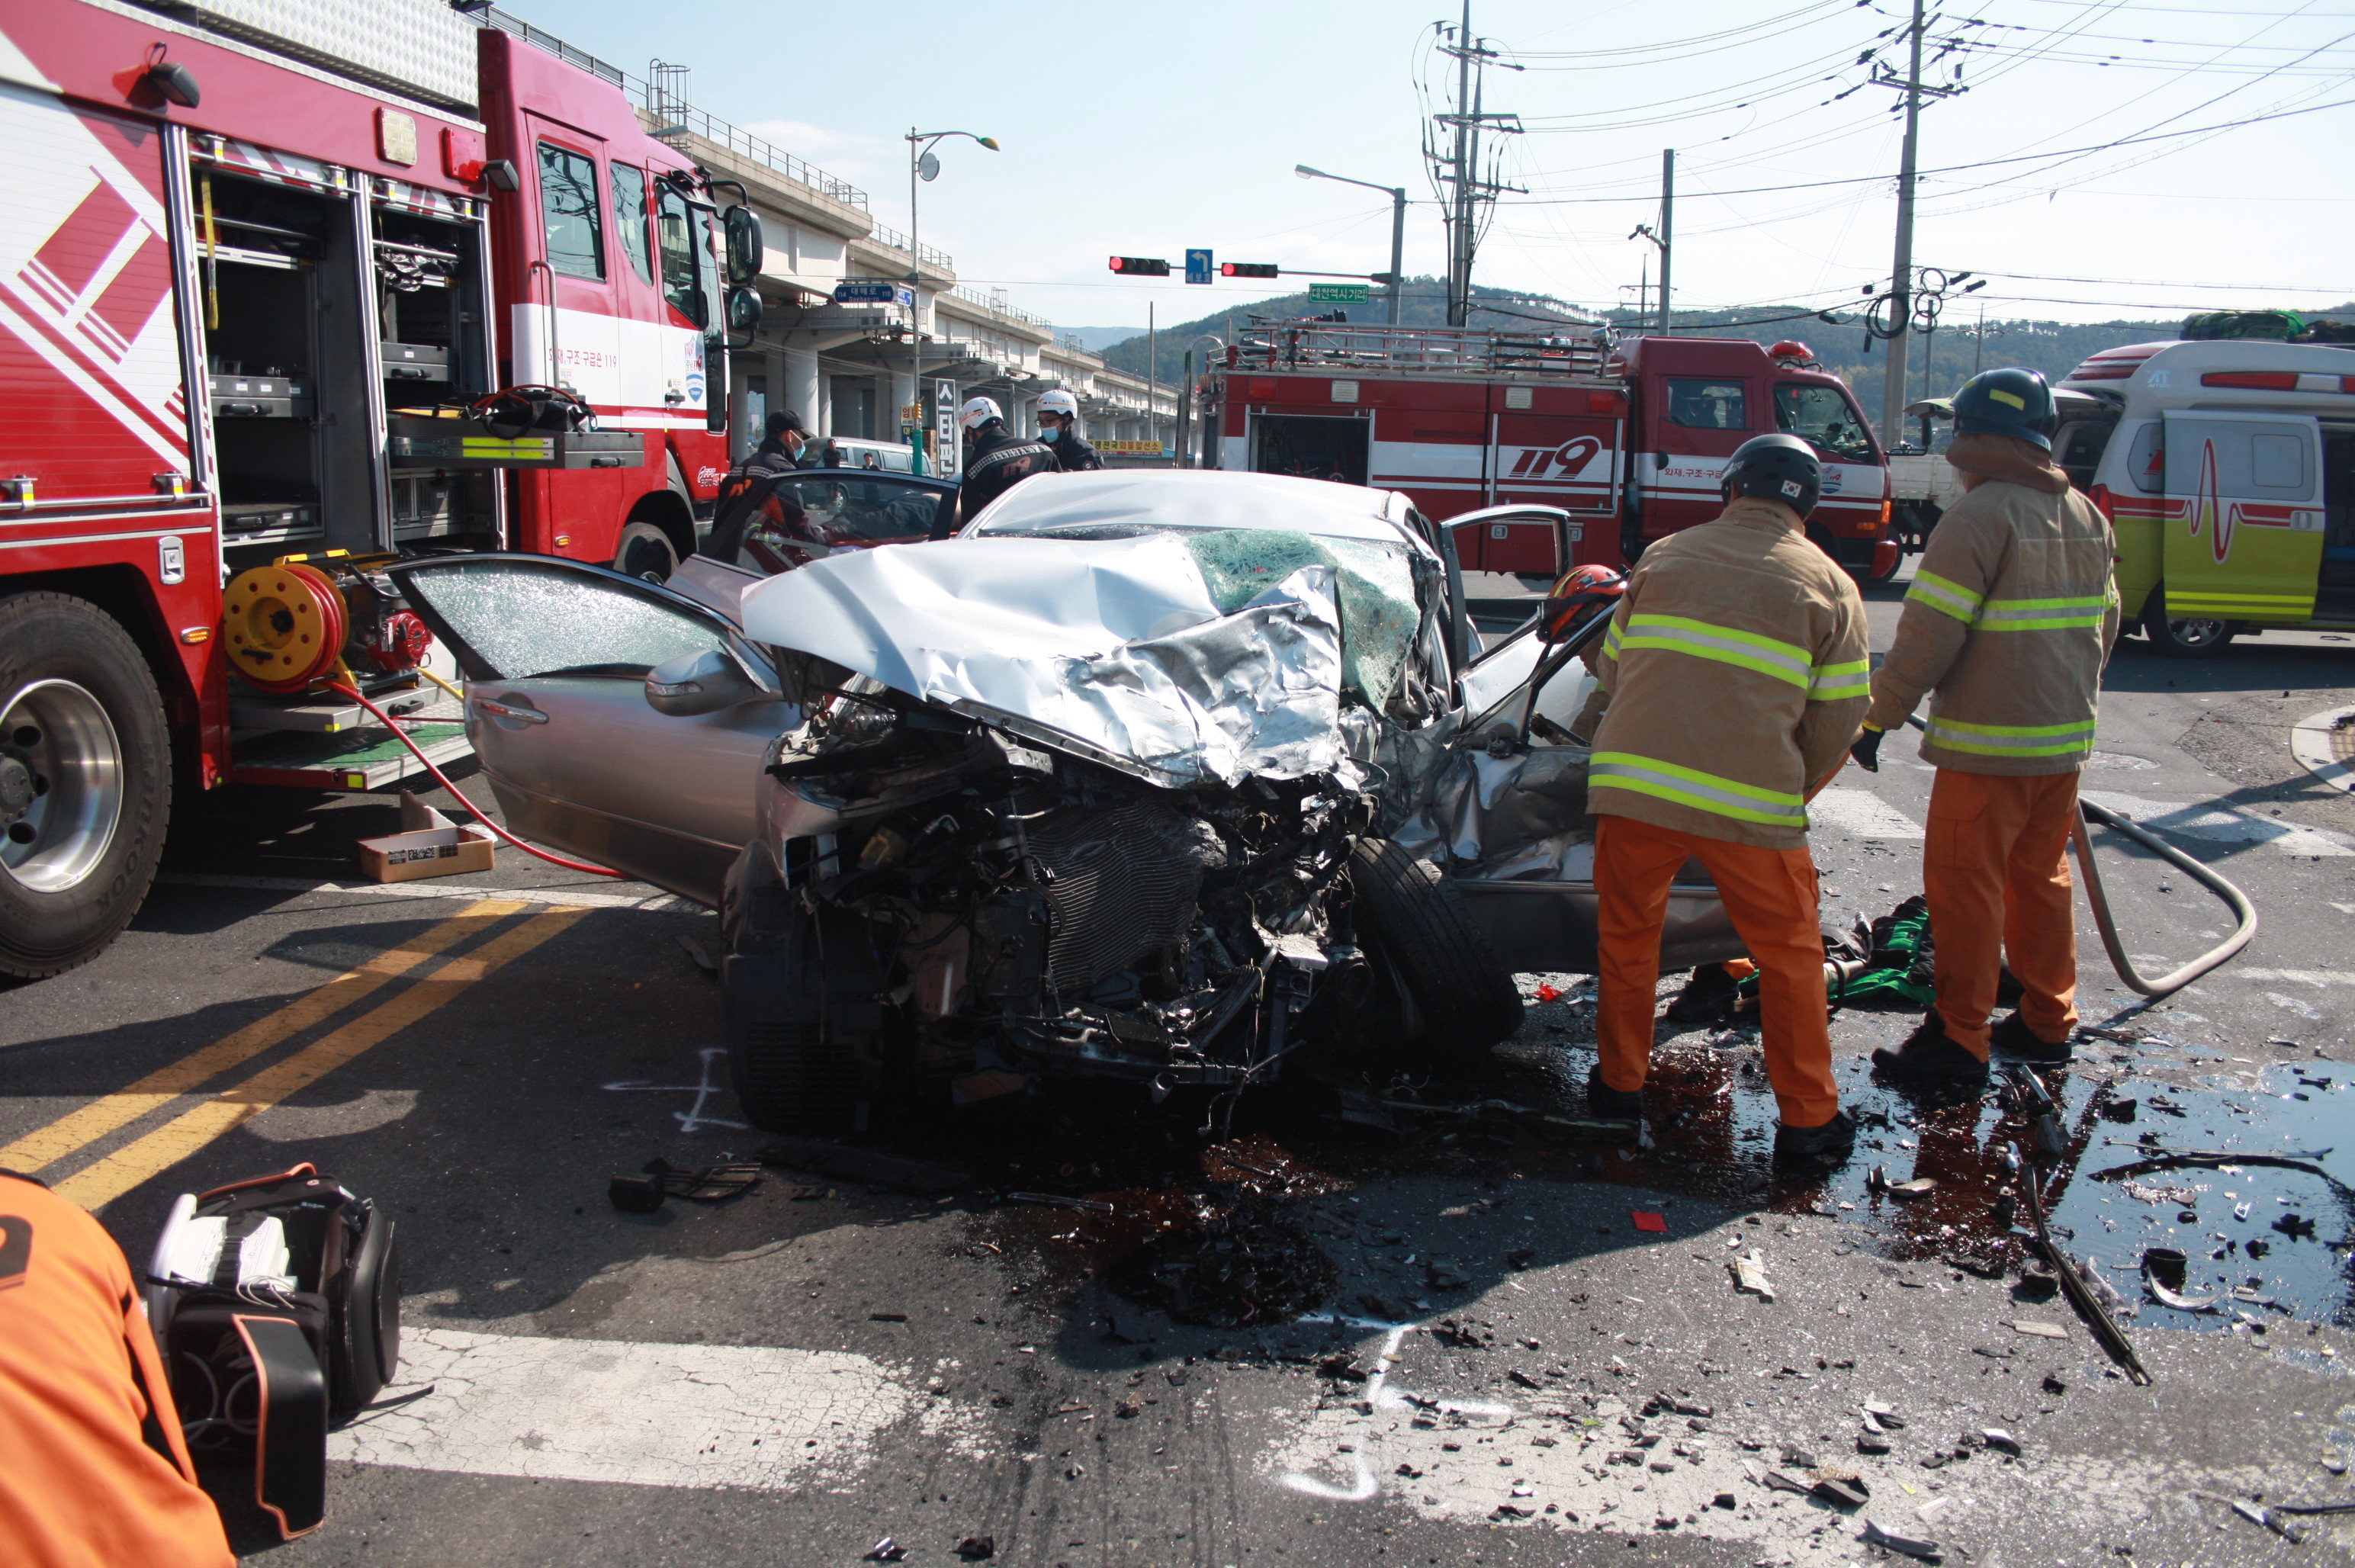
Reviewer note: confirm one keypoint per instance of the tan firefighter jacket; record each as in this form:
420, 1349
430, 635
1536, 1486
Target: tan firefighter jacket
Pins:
1737, 666
2009, 621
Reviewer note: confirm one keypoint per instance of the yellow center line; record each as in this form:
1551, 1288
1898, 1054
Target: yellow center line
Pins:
79, 1128
176, 1140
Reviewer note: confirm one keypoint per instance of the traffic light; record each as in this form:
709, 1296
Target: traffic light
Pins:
1140, 266
1249, 270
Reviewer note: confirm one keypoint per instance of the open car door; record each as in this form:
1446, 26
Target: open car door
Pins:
1533, 542
555, 653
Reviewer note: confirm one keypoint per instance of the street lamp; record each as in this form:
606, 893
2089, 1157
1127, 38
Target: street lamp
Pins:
1398, 226
923, 163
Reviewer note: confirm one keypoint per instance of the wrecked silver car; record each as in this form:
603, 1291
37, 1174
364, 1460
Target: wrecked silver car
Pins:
1165, 777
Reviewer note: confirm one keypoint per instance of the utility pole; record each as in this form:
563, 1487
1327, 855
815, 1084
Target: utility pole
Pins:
1152, 363
1901, 309
1667, 227
1472, 58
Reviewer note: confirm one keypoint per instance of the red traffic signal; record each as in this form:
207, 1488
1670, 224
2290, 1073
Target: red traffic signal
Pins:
1141, 266
1248, 269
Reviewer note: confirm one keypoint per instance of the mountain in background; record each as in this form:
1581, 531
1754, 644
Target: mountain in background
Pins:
1940, 361
1096, 339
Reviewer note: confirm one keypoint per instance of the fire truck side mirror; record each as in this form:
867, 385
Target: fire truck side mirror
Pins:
745, 249
744, 314
176, 83
499, 174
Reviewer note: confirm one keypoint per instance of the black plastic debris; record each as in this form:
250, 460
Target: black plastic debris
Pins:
1928, 1551
869, 1166
2288, 1529
977, 1547
2295, 1227
885, 1551
1841, 1494
1232, 1267
2001, 1440
703, 1184
1778, 1481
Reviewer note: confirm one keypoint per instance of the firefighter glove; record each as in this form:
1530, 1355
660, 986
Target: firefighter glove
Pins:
1866, 749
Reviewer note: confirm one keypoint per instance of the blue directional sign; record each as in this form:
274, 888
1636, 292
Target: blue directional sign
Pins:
880, 292
1197, 267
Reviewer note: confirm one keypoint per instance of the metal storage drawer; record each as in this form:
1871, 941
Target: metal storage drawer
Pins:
261, 397
415, 361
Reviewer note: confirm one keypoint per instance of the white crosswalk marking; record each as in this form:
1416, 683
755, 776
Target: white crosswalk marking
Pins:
606, 1410
1861, 814
2220, 824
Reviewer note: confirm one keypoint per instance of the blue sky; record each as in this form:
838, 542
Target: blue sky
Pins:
1146, 130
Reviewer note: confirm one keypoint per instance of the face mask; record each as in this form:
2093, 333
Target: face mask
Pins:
1050, 432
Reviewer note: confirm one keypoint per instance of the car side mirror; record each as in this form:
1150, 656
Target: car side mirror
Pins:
699, 683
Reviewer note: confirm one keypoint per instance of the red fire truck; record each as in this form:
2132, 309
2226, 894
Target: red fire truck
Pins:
274, 305
1605, 445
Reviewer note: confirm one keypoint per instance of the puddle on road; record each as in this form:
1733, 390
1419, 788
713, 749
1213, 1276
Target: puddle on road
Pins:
1208, 1234
2281, 1236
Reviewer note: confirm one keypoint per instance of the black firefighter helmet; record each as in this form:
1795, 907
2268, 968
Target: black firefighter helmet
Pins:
2007, 402
1774, 468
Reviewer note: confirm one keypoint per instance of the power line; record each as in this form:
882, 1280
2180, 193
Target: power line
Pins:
1962, 168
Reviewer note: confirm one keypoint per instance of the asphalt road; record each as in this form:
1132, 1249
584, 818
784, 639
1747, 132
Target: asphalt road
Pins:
825, 1361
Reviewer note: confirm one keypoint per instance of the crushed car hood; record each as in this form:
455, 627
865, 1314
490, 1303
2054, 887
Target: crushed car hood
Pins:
1182, 658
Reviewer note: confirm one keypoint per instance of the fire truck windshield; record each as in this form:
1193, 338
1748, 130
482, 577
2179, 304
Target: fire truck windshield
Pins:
1824, 418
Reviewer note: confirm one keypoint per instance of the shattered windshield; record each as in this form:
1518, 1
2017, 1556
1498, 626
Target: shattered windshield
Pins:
1374, 586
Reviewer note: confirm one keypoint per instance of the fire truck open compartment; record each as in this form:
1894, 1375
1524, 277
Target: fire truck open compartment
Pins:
308, 337
279, 267
1311, 446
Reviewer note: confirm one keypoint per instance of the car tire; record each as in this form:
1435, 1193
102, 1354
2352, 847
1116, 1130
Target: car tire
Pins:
797, 992
2183, 638
646, 552
1414, 924
85, 782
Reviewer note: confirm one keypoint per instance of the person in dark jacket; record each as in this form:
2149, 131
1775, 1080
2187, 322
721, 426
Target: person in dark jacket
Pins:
1059, 428
996, 460
750, 482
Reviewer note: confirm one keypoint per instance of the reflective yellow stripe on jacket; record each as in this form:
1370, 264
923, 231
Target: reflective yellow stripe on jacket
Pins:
1746, 650
2043, 614
1700, 791
2012, 739
1946, 598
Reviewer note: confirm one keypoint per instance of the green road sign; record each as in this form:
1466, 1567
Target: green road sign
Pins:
1341, 294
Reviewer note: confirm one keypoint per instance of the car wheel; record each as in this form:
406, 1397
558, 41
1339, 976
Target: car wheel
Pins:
85, 782
1414, 925
646, 552
2182, 638
803, 1030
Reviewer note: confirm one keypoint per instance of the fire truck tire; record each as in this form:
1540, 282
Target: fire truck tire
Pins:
645, 551
1415, 925
2182, 639
85, 782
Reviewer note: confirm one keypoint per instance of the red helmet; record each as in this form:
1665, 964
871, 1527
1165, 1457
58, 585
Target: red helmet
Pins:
1582, 593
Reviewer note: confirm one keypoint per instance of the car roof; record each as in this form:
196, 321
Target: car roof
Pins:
852, 469
1194, 499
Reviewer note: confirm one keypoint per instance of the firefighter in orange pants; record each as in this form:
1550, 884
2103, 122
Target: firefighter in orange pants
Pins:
96, 1473
1737, 667
2007, 627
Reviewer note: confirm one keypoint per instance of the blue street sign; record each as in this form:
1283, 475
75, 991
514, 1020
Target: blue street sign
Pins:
1197, 267
876, 293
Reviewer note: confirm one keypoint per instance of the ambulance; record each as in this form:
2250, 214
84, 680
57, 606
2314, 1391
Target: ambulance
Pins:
2227, 469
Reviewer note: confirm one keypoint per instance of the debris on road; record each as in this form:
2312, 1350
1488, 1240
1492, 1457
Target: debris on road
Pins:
885, 1551
1645, 1220
1749, 1275
1920, 1186
703, 1184
976, 1548
699, 953
1928, 1551
2001, 1440
2039, 1330
1058, 1201
2163, 1272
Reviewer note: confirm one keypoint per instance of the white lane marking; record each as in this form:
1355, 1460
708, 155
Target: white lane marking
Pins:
568, 898
605, 1410
1862, 813
1362, 1486
2310, 746
2318, 978
692, 1119
2207, 820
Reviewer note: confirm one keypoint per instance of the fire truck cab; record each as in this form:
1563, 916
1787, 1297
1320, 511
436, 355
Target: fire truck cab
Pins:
1545, 450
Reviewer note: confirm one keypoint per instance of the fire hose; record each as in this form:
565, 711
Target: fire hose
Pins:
2244, 914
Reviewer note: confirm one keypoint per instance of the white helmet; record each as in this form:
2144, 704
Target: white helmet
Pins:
1058, 401
979, 411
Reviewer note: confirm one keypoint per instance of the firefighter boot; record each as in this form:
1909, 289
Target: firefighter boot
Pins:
1708, 997
1613, 1104
1929, 1057
2012, 1037
1831, 1142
